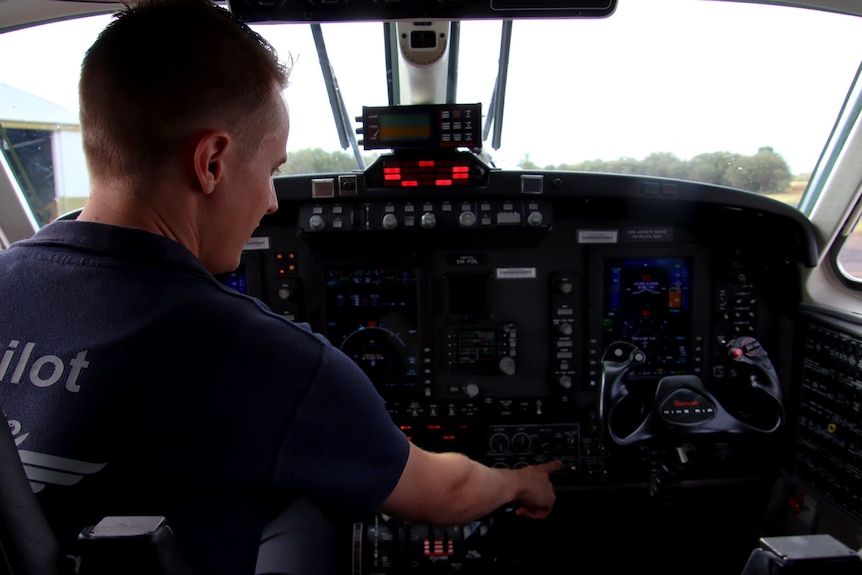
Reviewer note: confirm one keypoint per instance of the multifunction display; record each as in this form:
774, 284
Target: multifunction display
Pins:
371, 316
647, 302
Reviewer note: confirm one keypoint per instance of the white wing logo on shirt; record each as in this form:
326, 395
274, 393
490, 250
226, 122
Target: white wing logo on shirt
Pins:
43, 469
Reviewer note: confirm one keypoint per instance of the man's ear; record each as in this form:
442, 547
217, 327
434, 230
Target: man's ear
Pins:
209, 155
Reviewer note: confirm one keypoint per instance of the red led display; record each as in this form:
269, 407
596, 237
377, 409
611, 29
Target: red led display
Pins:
431, 173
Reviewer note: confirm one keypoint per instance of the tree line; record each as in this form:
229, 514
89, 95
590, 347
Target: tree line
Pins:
765, 172
318, 161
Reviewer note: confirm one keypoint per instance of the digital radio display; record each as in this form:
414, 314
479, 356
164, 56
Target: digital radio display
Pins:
422, 127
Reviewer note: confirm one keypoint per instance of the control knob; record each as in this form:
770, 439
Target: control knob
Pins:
428, 220
467, 219
390, 222
316, 222
507, 365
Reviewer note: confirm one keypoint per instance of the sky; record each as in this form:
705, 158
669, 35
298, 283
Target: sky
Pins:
625, 86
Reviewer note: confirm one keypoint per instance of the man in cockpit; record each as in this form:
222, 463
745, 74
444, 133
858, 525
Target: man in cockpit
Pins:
126, 365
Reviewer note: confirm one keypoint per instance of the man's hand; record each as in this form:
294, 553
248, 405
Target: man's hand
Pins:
536, 495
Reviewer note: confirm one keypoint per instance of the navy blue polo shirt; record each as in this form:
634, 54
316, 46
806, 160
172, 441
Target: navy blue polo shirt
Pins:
136, 383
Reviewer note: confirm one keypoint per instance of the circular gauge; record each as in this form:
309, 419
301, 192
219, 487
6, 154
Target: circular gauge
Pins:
376, 350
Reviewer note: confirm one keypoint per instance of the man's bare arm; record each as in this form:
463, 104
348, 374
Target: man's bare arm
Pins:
451, 489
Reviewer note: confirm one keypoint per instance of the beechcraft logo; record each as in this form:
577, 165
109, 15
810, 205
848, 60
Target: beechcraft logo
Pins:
44, 469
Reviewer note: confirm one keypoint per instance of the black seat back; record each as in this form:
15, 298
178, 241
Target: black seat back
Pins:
27, 543
115, 546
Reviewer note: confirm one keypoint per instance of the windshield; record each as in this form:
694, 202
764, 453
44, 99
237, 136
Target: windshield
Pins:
730, 93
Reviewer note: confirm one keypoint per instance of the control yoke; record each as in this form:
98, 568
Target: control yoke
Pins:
682, 405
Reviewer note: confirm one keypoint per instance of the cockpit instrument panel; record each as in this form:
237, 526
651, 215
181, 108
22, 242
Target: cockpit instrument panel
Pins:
624, 325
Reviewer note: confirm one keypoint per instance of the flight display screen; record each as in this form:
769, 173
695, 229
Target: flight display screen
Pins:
371, 314
647, 302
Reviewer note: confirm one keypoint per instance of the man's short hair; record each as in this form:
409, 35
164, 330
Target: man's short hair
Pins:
164, 70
